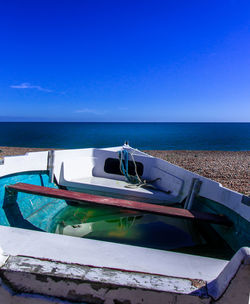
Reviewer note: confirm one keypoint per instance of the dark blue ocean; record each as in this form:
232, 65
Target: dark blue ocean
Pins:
157, 136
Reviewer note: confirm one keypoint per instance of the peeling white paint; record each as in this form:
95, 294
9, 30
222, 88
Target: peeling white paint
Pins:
16, 241
3, 257
64, 271
49, 280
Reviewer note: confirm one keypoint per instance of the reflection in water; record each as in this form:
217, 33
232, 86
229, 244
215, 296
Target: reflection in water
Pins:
130, 227
79, 230
140, 229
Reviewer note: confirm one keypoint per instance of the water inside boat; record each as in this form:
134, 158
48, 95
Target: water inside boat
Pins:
110, 224
140, 229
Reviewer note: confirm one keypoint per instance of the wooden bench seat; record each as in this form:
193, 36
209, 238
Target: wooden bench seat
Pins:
121, 203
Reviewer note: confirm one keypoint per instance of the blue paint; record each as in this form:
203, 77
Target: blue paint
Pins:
26, 210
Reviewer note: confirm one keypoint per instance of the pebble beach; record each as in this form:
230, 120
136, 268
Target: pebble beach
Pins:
231, 169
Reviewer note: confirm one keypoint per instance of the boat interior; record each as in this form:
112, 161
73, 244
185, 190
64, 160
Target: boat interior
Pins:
101, 173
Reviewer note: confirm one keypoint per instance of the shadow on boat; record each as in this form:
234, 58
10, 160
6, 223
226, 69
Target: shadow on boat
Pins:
14, 214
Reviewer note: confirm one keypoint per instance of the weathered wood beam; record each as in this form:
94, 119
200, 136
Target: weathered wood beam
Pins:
121, 203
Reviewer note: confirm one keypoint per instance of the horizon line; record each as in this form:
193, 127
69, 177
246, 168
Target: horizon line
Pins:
22, 121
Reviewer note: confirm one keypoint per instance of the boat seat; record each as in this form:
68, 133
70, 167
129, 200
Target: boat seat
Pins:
75, 179
119, 188
85, 175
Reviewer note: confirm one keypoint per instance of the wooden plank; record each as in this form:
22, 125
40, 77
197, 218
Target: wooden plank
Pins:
121, 203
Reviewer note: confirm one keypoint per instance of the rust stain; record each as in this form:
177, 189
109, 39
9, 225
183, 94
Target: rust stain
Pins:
197, 283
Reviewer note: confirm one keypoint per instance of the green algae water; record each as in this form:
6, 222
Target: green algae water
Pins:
105, 223
139, 229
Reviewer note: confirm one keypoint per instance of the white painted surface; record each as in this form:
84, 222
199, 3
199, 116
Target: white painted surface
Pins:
217, 287
87, 173
76, 168
167, 181
15, 241
120, 187
209, 189
29, 162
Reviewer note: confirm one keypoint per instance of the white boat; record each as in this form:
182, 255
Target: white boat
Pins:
155, 233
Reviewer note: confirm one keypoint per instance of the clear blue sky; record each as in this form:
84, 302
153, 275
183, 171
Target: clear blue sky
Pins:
103, 60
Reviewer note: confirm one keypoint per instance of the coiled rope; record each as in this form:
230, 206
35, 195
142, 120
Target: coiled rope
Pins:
124, 158
135, 180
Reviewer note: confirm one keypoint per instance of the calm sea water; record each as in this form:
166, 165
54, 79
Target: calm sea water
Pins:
159, 136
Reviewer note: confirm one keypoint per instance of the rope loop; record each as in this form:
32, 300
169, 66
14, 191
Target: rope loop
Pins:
124, 167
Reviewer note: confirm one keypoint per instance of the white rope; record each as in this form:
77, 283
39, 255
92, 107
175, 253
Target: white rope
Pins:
141, 183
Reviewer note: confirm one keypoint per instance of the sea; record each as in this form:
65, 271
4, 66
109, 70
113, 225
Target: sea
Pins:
144, 136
